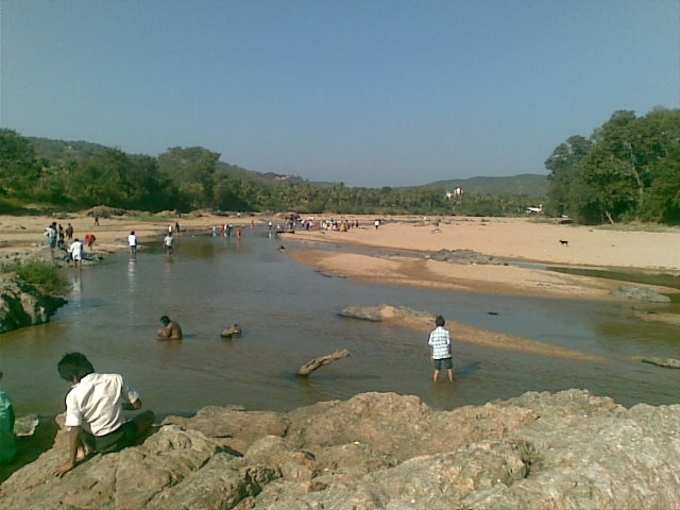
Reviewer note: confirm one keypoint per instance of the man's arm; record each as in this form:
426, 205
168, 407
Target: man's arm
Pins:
72, 440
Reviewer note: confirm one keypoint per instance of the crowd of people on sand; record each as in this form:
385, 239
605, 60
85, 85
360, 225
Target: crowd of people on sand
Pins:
95, 402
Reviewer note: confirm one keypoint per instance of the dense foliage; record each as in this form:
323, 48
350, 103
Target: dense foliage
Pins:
80, 174
628, 169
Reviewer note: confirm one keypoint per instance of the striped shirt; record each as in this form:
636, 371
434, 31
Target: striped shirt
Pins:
440, 341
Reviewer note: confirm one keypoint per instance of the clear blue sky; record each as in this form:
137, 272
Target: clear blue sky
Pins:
371, 92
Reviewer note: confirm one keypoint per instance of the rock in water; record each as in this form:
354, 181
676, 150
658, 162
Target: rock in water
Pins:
25, 426
322, 361
662, 362
232, 331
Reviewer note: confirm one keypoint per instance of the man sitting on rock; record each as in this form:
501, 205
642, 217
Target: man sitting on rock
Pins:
94, 411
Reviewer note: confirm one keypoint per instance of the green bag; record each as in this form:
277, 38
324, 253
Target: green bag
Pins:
8, 447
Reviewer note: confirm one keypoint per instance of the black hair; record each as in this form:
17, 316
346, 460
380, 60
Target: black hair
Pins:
165, 319
74, 365
439, 321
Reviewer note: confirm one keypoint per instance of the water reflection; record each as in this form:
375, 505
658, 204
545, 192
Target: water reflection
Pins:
288, 315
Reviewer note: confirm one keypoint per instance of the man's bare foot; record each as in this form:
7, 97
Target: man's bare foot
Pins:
82, 453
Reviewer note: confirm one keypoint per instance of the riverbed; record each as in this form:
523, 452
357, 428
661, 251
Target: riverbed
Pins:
288, 313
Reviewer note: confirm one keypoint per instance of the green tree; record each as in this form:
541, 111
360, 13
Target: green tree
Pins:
19, 168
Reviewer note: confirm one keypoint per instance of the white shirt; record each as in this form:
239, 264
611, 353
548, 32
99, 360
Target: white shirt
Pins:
440, 341
95, 403
76, 250
132, 240
168, 241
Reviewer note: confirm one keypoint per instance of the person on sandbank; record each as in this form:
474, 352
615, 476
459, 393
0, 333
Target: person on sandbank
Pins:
170, 330
440, 341
94, 412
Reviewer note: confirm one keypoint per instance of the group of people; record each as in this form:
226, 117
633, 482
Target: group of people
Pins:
227, 230
56, 239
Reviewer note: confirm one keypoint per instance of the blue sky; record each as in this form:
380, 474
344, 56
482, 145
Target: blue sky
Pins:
369, 93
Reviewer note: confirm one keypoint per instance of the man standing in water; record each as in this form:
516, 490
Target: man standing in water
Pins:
168, 242
440, 341
94, 411
170, 330
76, 252
132, 243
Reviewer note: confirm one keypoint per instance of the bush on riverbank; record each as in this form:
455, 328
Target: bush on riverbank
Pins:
47, 277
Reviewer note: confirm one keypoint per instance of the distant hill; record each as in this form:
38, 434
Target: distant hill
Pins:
62, 150
66, 150
522, 184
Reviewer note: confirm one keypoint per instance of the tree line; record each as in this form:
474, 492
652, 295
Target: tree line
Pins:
628, 169
193, 177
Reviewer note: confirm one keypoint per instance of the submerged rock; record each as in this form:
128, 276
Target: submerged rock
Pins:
644, 294
382, 451
232, 331
662, 362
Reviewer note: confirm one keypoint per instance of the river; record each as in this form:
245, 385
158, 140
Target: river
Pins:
288, 315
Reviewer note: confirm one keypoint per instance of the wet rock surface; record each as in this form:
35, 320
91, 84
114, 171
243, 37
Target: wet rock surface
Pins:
23, 305
381, 451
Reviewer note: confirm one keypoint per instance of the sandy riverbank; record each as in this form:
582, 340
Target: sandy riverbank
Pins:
511, 239
20, 235
521, 238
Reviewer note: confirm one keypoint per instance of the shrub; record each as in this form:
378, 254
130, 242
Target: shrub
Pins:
44, 275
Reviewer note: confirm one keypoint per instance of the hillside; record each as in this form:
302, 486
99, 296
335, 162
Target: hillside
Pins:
522, 184
78, 150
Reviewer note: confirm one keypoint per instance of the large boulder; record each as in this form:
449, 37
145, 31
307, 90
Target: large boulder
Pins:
568, 450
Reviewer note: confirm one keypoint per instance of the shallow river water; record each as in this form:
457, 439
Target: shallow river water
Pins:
288, 314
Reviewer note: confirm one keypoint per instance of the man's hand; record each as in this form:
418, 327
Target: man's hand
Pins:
64, 468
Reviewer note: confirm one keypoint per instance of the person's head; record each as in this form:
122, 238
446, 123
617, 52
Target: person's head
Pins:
165, 320
76, 240
74, 366
439, 321
132, 233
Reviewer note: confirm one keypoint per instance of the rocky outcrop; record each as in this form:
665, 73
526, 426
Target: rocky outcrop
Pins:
24, 305
381, 451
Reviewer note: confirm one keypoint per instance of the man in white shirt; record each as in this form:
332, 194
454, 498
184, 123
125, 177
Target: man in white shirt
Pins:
440, 341
132, 243
168, 242
94, 411
76, 251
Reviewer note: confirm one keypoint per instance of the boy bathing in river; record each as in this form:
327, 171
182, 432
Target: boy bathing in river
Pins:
94, 412
170, 330
440, 341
